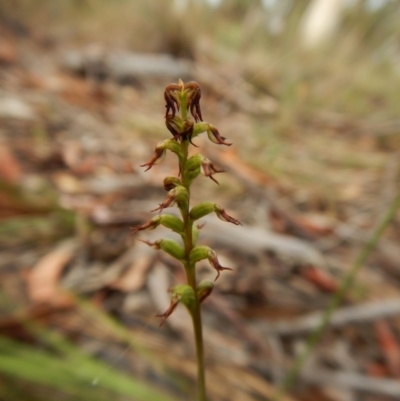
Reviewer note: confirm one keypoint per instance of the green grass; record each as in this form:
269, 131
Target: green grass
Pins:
72, 373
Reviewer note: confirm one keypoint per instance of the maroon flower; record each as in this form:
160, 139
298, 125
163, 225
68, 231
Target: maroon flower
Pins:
172, 126
187, 131
174, 303
193, 100
214, 136
150, 225
208, 169
222, 215
155, 245
177, 195
171, 99
212, 258
204, 289
170, 201
157, 157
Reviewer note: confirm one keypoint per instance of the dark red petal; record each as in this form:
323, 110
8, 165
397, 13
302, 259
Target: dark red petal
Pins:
174, 303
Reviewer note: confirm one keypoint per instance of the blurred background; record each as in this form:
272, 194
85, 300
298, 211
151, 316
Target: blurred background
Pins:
308, 93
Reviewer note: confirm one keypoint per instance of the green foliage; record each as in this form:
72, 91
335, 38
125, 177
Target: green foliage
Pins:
70, 372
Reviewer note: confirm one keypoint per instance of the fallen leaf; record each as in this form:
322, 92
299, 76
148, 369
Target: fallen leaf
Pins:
230, 159
376, 369
320, 278
316, 224
159, 282
8, 50
135, 277
43, 280
389, 345
67, 183
10, 169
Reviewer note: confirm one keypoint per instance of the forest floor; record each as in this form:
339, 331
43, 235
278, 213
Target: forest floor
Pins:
75, 126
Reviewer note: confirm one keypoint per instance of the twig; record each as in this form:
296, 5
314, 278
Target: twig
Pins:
351, 314
353, 381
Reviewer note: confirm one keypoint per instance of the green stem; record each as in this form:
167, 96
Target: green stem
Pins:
198, 335
191, 274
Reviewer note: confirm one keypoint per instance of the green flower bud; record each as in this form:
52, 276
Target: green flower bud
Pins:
205, 208
193, 162
204, 252
199, 253
171, 222
193, 174
201, 210
171, 183
182, 197
172, 248
185, 295
199, 128
180, 293
193, 167
177, 195
174, 147
158, 156
168, 246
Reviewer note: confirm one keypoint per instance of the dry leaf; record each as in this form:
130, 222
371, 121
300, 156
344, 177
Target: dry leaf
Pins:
43, 280
390, 347
10, 169
135, 277
321, 278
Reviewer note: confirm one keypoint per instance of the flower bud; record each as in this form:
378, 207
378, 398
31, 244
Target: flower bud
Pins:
199, 253
177, 195
172, 222
199, 128
171, 183
201, 210
180, 293
158, 156
168, 246
194, 162
174, 147
205, 208
167, 220
160, 152
193, 167
172, 248
204, 252
182, 197
185, 294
